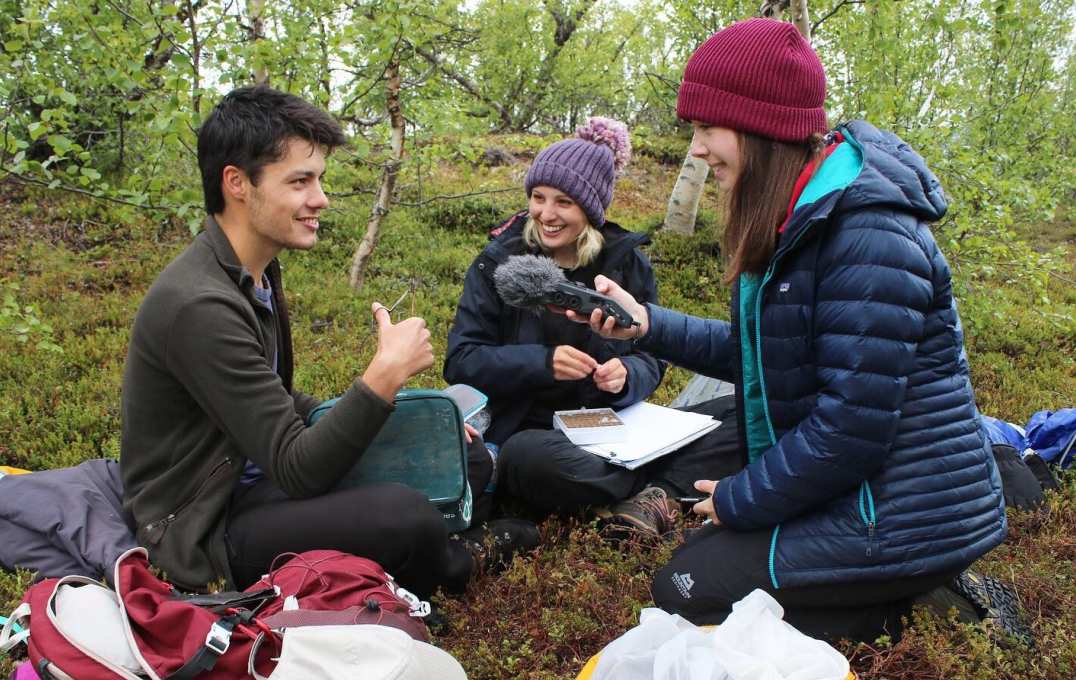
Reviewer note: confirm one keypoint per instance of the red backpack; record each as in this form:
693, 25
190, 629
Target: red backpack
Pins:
328, 587
212, 637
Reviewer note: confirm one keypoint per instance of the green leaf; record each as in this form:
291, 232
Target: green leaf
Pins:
60, 144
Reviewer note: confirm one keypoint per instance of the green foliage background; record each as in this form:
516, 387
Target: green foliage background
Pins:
99, 189
105, 96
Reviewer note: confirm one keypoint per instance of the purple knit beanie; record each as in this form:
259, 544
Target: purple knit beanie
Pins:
758, 76
585, 167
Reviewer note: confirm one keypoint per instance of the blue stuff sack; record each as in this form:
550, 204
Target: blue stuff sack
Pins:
1053, 435
421, 445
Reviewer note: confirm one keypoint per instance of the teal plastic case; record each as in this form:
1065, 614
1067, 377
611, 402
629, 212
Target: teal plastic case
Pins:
421, 445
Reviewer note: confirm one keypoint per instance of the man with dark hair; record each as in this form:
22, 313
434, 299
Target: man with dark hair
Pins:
220, 469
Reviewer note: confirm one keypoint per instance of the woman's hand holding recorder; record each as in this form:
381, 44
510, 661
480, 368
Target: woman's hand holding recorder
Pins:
605, 325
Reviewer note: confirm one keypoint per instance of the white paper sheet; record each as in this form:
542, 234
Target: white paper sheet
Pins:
653, 431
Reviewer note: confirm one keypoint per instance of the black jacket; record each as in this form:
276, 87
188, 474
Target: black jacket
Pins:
504, 352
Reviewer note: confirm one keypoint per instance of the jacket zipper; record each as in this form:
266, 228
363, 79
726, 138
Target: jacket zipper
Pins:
778, 255
866, 512
766, 403
171, 517
758, 329
762, 386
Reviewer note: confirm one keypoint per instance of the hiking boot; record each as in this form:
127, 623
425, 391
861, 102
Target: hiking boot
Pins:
996, 603
649, 513
944, 599
494, 544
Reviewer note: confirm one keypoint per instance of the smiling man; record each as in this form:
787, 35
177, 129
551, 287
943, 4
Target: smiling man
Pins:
221, 471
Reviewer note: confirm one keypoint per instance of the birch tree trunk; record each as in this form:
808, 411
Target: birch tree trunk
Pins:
196, 59
391, 169
797, 11
684, 201
256, 9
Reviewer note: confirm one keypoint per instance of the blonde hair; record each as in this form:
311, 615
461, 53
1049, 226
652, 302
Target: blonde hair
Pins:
587, 245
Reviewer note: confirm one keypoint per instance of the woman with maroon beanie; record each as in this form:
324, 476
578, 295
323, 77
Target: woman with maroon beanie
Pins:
866, 478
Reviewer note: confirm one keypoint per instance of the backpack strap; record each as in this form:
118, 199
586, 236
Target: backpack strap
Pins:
11, 635
216, 643
218, 602
251, 670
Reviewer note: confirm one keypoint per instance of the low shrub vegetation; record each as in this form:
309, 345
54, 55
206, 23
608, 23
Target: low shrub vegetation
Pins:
72, 273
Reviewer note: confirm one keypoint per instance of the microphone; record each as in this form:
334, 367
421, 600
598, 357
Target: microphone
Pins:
532, 282
523, 280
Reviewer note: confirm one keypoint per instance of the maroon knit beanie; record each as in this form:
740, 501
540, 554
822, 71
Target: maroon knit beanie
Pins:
758, 76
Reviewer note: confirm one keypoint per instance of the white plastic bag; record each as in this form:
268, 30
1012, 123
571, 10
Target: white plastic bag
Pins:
752, 644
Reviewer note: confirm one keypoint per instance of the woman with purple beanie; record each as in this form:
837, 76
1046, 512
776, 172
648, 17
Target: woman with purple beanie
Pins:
866, 479
531, 365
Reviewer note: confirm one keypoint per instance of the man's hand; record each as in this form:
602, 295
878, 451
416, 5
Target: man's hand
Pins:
403, 350
469, 433
570, 363
706, 507
609, 329
611, 376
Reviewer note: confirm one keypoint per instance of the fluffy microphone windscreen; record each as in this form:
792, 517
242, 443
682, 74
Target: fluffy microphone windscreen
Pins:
522, 280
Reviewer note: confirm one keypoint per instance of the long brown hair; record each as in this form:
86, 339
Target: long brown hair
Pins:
758, 202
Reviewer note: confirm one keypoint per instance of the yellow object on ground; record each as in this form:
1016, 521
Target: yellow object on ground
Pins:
588, 670
8, 470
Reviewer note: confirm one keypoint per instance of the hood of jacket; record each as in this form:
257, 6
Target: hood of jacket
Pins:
869, 169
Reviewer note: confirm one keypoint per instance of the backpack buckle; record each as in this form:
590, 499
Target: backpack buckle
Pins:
416, 607
218, 639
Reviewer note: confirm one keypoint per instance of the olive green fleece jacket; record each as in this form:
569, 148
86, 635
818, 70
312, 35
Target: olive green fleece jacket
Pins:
200, 398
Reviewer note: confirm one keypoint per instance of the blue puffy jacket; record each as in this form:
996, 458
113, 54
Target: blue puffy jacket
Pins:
867, 456
503, 352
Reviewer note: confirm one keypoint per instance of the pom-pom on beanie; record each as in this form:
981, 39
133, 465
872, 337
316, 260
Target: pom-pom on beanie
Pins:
585, 167
758, 76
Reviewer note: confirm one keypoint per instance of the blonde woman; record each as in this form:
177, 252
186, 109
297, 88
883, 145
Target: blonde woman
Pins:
532, 365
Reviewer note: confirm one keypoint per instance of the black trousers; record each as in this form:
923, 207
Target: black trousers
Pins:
392, 524
716, 567
545, 469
